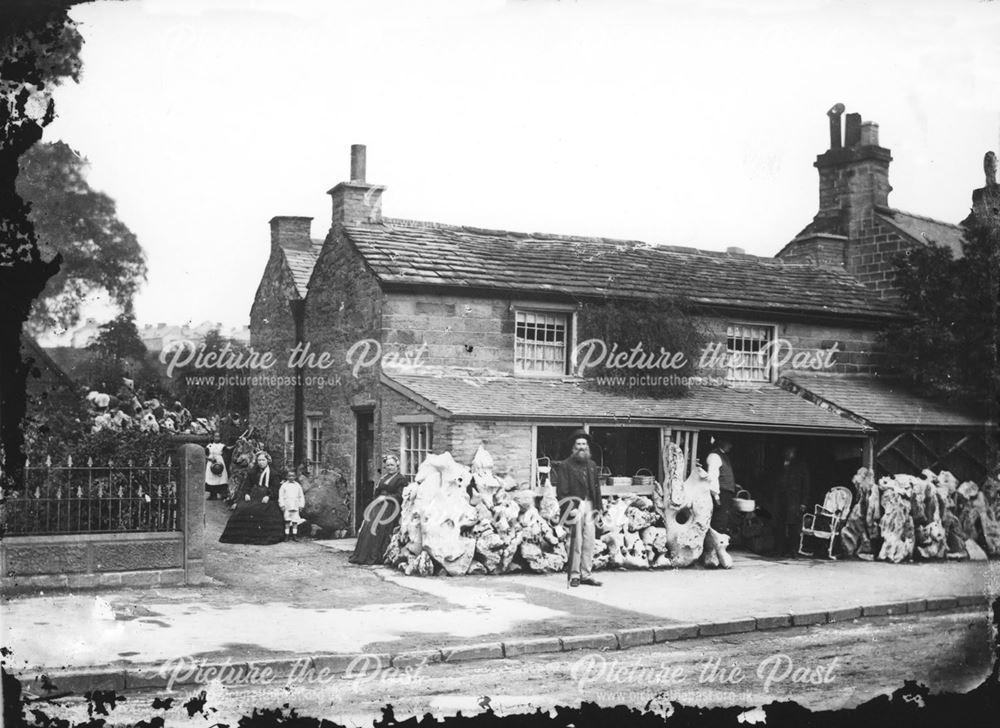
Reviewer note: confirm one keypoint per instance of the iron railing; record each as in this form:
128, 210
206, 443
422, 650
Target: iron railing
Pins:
91, 498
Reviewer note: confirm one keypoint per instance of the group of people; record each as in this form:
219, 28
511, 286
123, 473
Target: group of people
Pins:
266, 509
578, 489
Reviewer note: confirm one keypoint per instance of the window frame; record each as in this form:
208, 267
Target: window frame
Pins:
288, 440
771, 367
569, 312
408, 469
314, 445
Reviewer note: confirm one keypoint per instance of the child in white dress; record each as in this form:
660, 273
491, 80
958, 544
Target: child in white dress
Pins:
291, 499
216, 475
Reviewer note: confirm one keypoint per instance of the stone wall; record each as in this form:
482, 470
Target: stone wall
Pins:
272, 329
856, 348
508, 442
126, 559
393, 405
454, 330
827, 251
342, 309
872, 254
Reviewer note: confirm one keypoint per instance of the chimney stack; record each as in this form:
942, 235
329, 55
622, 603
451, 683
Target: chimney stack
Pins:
854, 177
356, 202
358, 163
291, 232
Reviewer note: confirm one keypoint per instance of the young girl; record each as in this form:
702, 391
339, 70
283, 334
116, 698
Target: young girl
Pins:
291, 499
216, 475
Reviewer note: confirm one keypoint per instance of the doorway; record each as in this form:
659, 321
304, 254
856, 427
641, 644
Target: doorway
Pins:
364, 484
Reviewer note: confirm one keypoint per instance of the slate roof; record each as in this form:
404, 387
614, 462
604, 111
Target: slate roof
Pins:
883, 402
413, 253
768, 407
301, 264
925, 229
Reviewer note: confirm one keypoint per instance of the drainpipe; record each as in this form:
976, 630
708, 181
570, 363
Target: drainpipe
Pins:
298, 423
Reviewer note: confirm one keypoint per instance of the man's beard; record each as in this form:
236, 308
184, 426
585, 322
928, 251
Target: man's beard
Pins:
581, 454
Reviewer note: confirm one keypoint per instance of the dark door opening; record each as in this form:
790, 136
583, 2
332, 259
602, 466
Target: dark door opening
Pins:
364, 484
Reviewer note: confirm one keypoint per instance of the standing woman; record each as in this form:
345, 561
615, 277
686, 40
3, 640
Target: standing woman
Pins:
257, 518
381, 515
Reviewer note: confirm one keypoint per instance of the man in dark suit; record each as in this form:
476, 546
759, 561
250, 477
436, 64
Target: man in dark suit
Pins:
793, 496
579, 492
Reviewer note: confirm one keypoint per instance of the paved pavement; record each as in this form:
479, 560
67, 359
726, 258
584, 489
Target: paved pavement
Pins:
290, 600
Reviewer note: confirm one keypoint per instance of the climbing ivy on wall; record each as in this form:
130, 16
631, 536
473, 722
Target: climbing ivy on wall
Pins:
649, 346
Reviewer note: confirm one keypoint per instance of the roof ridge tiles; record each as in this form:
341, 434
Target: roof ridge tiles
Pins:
561, 237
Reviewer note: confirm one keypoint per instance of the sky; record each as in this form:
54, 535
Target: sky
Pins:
682, 123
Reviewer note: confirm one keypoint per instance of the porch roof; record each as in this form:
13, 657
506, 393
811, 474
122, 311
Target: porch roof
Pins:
882, 402
768, 408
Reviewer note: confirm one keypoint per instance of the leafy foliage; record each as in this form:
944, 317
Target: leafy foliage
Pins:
39, 47
60, 437
659, 325
118, 352
99, 253
204, 396
948, 346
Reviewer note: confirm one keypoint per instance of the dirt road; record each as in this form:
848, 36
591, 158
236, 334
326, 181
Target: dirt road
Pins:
822, 667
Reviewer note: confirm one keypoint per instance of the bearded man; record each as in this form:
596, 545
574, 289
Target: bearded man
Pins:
578, 489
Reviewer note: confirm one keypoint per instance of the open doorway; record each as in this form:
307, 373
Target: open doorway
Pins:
364, 482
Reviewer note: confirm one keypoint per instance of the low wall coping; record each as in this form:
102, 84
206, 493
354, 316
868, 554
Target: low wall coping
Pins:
57, 538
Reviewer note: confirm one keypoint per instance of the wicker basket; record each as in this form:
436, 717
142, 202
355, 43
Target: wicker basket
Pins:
643, 477
743, 501
619, 482
604, 478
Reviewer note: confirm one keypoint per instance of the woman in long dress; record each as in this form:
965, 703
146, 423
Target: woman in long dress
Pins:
381, 516
257, 518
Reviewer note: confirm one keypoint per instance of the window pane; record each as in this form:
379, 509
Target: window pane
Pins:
746, 352
540, 341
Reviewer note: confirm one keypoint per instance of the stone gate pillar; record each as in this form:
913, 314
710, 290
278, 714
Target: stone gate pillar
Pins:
191, 500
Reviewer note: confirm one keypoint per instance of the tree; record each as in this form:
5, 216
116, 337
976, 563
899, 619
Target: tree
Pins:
217, 389
39, 47
119, 352
99, 253
948, 344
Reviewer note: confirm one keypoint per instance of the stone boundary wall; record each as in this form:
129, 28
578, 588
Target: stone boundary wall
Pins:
79, 560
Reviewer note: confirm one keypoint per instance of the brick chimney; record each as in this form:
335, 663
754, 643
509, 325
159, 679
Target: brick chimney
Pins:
853, 173
291, 232
356, 202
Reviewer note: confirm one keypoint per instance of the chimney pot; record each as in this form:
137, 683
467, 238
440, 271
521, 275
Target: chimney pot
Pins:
358, 163
736, 250
834, 113
852, 131
869, 134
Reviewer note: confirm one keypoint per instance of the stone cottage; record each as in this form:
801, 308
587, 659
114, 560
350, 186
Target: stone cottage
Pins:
411, 337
